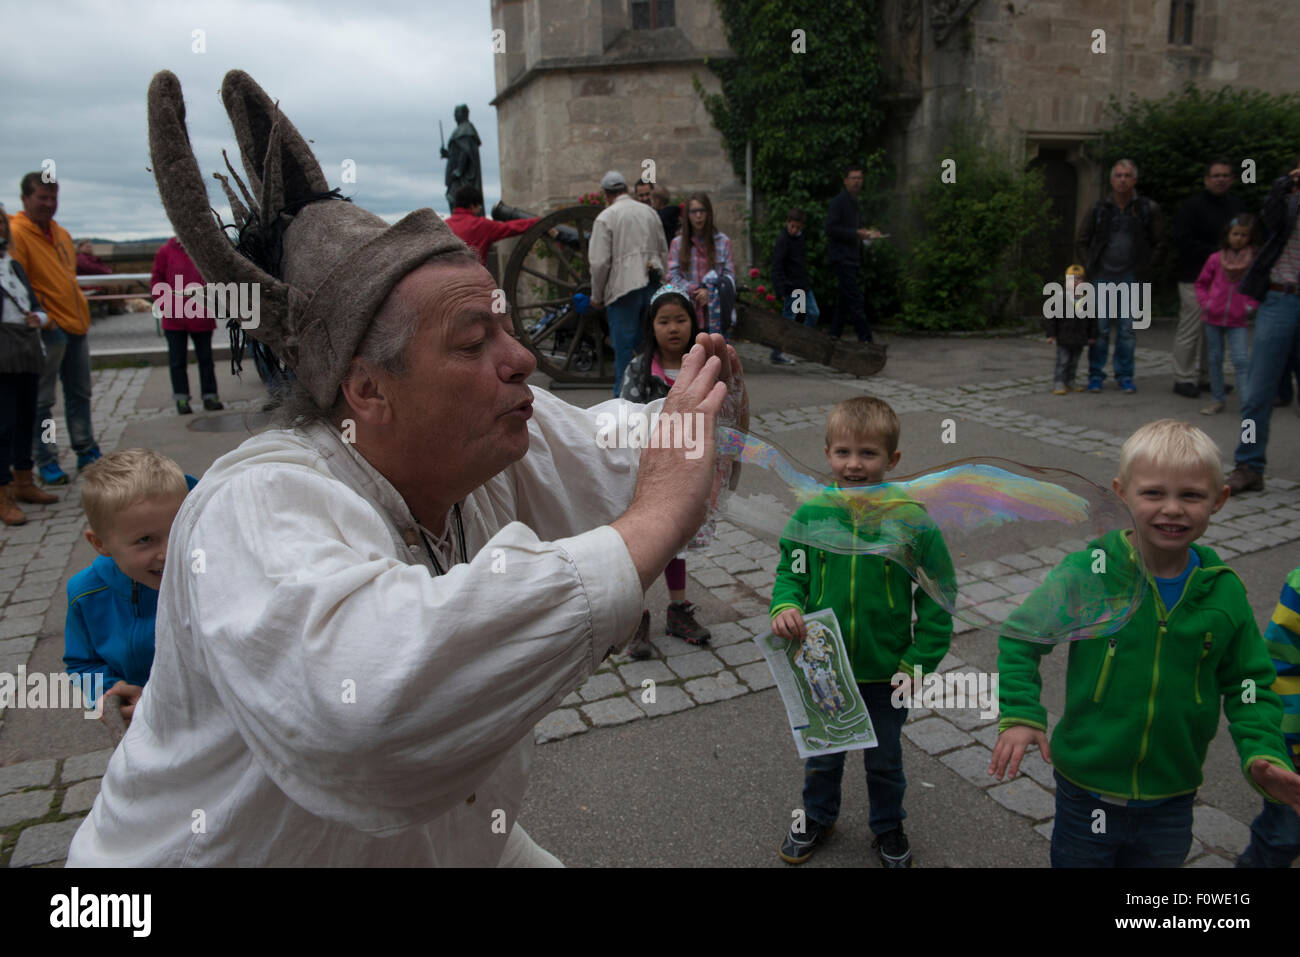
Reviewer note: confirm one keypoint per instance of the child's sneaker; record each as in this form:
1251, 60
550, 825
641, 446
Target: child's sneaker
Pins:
1127, 385
893, 848
1060, 389
640, 647
1094, 383
88, 456
1214, 408
682, 623
51, 474
797, 848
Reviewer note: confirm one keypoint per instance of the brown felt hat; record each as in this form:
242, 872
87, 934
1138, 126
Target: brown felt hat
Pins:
323, 264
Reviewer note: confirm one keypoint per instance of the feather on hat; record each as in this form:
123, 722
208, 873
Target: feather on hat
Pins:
323, 265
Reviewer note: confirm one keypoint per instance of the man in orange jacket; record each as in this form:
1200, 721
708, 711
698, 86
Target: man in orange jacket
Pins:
45, 251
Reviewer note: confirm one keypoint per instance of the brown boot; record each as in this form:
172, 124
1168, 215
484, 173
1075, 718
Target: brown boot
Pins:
25, 490
10, 513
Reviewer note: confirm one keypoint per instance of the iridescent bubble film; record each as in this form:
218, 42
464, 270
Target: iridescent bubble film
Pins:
987, 538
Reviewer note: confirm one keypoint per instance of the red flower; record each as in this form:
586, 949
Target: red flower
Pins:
753, 273
771, 298
761, 290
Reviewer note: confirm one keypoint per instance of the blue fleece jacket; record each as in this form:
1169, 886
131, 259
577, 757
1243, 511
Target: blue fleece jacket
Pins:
110, 622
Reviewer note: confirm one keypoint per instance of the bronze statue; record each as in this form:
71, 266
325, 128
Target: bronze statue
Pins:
461, 153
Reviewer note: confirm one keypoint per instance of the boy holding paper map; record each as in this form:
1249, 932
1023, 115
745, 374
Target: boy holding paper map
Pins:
873, 600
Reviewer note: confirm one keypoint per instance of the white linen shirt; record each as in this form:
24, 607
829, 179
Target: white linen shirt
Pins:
626, 239
319, 697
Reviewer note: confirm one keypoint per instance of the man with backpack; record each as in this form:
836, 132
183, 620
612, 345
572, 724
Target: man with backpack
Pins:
1119, 240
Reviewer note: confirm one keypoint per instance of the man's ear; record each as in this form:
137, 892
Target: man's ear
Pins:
366, 394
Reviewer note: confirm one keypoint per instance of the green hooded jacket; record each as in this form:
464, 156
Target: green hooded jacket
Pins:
872, 596
1143, 704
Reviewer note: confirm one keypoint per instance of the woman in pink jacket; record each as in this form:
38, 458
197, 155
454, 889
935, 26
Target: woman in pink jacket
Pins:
1224, 306
173, 268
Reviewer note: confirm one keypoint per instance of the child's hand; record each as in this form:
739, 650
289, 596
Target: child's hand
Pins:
1011, 747
789, 625
129, 694
1051, 340
1278, 782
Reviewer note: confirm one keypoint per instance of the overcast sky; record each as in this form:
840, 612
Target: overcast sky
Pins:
366, 81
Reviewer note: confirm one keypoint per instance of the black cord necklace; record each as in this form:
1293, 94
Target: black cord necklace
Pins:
460, 534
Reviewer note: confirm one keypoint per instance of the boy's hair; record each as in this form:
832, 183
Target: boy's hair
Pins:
123, 478
1172, 444
864, 415
796, 215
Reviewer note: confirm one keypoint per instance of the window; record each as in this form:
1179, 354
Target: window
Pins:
1182, 16
652, 14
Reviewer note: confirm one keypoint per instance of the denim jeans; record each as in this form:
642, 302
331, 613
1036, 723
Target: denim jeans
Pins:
178, 362
1067, 362
1120, 836
67, 357
884, 765
1125, 340
625, 314
1274, 838
1277, 340
1235, 338
811, 311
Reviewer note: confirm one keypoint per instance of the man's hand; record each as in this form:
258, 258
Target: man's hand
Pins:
789, 625
1277, 782
1011, 746
673, 488
129, 694
32, 320
1051, 340
597, 306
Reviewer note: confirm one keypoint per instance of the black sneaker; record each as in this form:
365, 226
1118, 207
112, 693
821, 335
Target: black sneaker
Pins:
797, 848
640, 647
213, 405
1186, 390
682, 623
893, 848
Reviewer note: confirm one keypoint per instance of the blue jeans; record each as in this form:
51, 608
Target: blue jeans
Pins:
625, 314
811, 312
1157, 836
1125, 340
1274, 838
1277, 341
884, 765
67, 357
1236, 338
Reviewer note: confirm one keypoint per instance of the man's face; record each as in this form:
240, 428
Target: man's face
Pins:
1123, 179
860, 459
42, 204
137, 539
1219, 179
462, 404
853, 182
793, 227
643, 191
1171, 507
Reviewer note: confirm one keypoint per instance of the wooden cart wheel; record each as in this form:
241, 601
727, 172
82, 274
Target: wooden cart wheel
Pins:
542, 276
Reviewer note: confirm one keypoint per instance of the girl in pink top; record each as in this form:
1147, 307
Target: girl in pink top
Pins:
1224, 307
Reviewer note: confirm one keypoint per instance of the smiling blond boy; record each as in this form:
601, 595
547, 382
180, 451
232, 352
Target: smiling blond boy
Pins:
1142, 704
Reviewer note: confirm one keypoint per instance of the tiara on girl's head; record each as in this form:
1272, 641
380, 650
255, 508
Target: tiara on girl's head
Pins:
665, 289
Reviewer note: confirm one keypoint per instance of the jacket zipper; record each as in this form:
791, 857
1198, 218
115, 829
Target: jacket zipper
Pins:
1151, 704
889, 591
1204, 653
853, 617
1105, 672
821, 592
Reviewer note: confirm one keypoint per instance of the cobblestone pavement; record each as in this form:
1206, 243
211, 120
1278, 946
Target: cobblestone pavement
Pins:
42, 802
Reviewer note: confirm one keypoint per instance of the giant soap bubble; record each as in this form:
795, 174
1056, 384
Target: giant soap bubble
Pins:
987, 538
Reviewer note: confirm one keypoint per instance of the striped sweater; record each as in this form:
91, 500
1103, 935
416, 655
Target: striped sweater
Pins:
1283, 638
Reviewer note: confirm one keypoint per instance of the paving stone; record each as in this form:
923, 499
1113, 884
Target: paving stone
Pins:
968, 719
740, 654
17, 646
601, 686
670, 646
949, 662
757, 624
1020, 562
727, 633
1215, 829
667, 700
1018, 584
972, 764
979, 592
612, 711
916, 714
710, 689
1211, 860
571, 698
44, 843
639, 671
19, 627
80, 797
27, 609
27, 775
935, 735
562, 723
24, 806
82, 766
1072, 545
1045, 828
758, 675
1193, 852
1024, 797
759, 551
1033, 765
31, 593
712, 577
1048, 555
989, 570
737, 563
693, 665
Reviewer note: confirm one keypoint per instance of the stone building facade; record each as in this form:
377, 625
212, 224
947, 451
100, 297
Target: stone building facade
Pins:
585, 85
590, 85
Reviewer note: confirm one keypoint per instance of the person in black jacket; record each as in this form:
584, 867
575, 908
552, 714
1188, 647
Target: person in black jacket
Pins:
843, 226
22, 357
1273, 279
1198, 231
790, 281
669, 215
